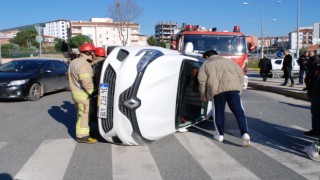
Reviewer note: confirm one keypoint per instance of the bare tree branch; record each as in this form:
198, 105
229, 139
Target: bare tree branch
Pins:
123, 13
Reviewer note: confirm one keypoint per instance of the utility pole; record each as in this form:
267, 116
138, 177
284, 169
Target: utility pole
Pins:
39, 37
298, 19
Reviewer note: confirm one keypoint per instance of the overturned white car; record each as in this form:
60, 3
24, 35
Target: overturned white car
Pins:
147, 93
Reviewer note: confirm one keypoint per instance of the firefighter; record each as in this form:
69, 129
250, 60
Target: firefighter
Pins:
100, 56
81, 85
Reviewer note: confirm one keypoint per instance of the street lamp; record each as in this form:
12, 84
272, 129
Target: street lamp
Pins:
262, 41
298, 15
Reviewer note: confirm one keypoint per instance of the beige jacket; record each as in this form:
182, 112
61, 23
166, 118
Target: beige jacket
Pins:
218, 75
80, 78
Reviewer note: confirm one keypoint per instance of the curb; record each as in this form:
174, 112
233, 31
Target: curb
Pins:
254, 69
279, 90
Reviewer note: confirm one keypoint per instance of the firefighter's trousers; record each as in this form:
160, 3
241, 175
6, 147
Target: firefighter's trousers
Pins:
82, 125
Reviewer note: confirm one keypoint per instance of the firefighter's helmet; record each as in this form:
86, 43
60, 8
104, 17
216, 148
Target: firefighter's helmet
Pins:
87, 47
100, 51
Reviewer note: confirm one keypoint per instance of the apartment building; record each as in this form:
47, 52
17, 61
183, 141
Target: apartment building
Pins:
5, 36
305, 38
165, 30
104, 32
58, 29
316, 33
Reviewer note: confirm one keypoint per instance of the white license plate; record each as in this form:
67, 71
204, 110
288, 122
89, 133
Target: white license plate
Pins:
103, 100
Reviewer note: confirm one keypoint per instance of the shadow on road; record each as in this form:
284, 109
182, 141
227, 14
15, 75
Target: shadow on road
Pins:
5, 176
281, 138
65, 114
296, 105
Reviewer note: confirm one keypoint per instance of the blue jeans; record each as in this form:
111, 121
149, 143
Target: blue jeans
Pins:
234, 102
301, 74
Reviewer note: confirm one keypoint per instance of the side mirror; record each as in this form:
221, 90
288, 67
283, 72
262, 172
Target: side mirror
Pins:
251, 47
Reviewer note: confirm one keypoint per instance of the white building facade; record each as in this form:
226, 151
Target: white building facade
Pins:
316, 33
104, 32
58, 29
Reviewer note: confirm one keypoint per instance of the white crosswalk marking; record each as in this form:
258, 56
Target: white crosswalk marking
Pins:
49, 161
217, 163
285, 155
133, 162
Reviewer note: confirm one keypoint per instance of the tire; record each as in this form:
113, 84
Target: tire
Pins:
34, 92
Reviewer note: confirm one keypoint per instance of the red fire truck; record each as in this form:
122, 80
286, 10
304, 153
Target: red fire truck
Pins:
230, 45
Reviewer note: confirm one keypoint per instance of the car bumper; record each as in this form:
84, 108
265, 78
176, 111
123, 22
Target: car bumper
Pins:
14, 92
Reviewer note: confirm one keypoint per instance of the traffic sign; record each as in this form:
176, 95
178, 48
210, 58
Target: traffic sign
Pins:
39, 39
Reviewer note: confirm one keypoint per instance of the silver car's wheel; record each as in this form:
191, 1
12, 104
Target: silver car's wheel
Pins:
34, 92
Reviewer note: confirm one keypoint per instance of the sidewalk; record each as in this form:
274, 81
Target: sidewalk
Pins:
273, 85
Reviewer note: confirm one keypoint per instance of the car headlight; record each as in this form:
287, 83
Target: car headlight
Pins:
149, 56
18, 82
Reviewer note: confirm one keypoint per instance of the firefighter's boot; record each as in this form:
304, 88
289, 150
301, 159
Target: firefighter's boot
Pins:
87, 139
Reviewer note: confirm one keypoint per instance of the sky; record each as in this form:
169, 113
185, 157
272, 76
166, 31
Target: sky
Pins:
222, 14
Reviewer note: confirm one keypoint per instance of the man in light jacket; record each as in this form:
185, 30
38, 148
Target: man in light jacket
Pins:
221, 80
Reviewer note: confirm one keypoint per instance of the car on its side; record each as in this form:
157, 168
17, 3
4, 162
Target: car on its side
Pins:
30, 79
147, 93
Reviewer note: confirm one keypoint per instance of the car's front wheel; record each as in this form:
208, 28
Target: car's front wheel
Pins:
34, 92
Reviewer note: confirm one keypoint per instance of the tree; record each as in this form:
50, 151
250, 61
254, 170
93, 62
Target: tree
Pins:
8, 49
123, 13
26, 38
61, 45
77, 41
152, 41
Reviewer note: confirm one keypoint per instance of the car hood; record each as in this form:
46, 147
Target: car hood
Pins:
9, 76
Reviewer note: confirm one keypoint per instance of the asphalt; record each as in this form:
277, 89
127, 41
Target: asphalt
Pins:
274, 85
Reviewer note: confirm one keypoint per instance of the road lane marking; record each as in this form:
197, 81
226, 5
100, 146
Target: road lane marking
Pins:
49, 161
206, 153
294, 160
133, 162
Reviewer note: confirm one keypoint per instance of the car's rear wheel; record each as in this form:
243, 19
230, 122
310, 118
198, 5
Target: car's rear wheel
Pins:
34, 92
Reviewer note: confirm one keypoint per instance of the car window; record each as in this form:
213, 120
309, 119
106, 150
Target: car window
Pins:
278, 61
48, 67
10, 66
60, 66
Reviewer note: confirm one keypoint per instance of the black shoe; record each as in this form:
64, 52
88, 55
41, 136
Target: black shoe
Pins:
311, 133
283, 84
291, 85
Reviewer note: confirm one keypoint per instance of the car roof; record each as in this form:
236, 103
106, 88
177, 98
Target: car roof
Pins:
136, 49
37, 60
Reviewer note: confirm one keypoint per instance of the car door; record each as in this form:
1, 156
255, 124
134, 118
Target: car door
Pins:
48, 77
61, 71
190, 108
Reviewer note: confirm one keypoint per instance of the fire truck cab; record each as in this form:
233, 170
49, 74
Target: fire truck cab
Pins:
230, 45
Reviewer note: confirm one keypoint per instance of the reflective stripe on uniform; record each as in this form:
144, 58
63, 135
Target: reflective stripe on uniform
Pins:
80, 95
83, 76
80, 130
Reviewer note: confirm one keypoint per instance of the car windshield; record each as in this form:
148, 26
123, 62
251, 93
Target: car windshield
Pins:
21, 66
223, 44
